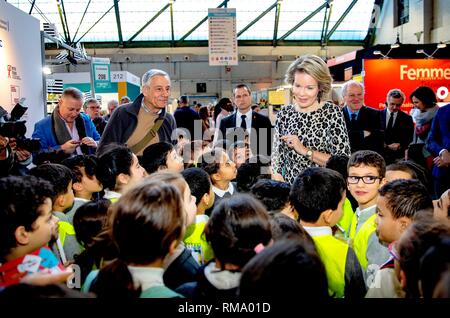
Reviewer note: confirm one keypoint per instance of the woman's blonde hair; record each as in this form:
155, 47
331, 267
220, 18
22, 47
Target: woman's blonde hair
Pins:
315, 67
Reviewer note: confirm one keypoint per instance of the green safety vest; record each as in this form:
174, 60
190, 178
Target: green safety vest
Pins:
360, 239
333, 254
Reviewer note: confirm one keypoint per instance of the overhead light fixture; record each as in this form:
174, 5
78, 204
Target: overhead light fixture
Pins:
377, 52
46, 70
440, 45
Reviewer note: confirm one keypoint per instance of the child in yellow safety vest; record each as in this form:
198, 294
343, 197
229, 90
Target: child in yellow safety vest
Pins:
318, 195
66, 246
366, 171
194, 237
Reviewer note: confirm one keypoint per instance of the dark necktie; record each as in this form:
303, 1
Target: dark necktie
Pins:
353, 119
243, 122
390, 122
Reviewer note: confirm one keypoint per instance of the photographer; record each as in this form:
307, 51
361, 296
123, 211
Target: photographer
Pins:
66, 128
13, 160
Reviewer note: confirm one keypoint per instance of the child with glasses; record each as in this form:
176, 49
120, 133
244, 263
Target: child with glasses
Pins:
399, 203
366, 171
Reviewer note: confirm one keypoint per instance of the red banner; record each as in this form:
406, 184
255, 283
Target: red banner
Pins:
381, 75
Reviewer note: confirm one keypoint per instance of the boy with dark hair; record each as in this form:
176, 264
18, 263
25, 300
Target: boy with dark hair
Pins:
26, 227
61, 177
201, 188
366, 172
318, 195
161, 156
84, 182
221, 171
399, 203
250, 172
275, 197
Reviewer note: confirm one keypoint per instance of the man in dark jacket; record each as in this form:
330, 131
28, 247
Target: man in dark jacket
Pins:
363, 123
145, 121
188, 118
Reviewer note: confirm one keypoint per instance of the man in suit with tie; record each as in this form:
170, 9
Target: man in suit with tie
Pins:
398, 127
245, 122
363, 123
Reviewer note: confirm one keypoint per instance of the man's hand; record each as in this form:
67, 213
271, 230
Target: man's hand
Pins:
70, 146
22, 155
88, 141
394, 146
443, 160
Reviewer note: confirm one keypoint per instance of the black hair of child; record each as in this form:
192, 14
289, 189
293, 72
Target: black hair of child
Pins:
273, 194
413, 244
210, 161
316, 190
58, 175
339, 163
285, 227
406, 198
19, 206
236, 226
286, 267
155, 156
75, 163
198, 181
115, 159
250, 172
433, 265
368, 158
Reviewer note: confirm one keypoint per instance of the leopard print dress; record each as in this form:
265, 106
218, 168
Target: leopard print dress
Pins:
322, 130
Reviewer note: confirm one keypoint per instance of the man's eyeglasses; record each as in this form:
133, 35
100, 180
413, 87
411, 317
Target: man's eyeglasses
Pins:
365, 179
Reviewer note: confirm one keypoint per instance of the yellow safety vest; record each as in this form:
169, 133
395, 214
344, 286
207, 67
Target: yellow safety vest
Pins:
360, 240
195, 239
65, 228
333, 254
114, 200
345, 222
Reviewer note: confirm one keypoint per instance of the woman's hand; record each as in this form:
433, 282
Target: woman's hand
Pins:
294, 142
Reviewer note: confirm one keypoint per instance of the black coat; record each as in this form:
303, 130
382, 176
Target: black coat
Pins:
260, 124
402, 132
369, 119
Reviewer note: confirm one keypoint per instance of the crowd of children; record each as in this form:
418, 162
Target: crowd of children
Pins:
210, 227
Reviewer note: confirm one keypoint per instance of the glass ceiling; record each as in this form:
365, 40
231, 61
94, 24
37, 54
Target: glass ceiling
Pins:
134, 14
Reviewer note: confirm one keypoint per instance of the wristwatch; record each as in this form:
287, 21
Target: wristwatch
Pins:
309, 154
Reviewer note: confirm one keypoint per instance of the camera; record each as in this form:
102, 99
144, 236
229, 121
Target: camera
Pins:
12, 127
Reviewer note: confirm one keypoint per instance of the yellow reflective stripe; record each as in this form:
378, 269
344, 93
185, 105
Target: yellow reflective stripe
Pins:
345, 222
353, 226
361, 241
333, 254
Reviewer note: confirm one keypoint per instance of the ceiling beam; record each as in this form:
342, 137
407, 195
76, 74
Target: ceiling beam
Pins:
104, 14
326, 22
119, 27
303, 21
257, 19
350, 7
223, 4
82, 18
149, 21
277, 20
171, 23
32, 7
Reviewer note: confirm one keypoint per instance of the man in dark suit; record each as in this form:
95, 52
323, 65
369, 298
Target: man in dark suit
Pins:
438, 144
187, 118
246, 124
398, 127
363, 123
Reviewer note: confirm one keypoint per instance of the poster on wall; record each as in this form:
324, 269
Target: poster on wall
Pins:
381, 75
21, 64
222, 39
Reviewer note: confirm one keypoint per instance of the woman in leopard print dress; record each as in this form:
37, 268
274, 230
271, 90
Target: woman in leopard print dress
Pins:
310, 130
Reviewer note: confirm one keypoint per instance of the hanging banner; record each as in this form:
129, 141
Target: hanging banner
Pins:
381, 75
101, 72
222, 40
